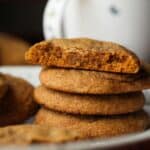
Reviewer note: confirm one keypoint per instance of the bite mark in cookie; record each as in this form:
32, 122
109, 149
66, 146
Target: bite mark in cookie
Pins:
83, 53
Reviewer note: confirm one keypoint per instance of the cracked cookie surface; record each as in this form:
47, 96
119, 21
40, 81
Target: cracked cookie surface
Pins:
84, 53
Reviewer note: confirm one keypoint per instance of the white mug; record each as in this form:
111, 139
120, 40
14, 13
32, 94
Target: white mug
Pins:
123, 21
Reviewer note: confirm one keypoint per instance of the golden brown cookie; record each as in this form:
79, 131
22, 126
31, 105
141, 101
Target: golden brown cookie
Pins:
12, 50
92, 82
89, 104
84, 53
31, 134
3, 86
17, 105
95, 126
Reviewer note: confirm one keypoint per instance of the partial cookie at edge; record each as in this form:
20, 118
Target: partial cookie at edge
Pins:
17, 104
3, 86
31, 134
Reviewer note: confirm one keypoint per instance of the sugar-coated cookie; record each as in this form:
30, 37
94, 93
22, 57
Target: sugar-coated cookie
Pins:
89, 104
95, 126
84, 53
92, 82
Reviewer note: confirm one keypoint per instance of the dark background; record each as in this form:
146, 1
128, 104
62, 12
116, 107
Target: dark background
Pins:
22, 18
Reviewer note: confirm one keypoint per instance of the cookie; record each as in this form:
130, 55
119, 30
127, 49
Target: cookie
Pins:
31, 134
28, 134
89, 104
12, 50
95, 126
17, 105
3, 86
83, 53
92, 82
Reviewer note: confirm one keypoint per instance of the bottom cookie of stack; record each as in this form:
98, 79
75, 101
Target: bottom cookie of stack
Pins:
95, 126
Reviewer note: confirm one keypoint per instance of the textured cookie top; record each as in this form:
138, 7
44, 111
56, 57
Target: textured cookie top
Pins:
83, 53
28, 134
93, 82
89, 104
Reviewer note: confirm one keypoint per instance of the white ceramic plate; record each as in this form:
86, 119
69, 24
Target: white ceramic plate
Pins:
32, 74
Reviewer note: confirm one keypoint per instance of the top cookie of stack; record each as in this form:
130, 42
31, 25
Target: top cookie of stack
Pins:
84, 53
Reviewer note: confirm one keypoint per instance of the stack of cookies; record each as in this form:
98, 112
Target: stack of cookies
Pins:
90, 86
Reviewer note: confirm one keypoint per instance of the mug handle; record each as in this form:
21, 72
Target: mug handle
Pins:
53, 19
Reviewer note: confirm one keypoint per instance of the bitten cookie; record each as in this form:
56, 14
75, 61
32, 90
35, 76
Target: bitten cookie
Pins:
3, 86
92, 82
12, 50
95, 126
84, 53
17, 105
31, 134
89, 104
